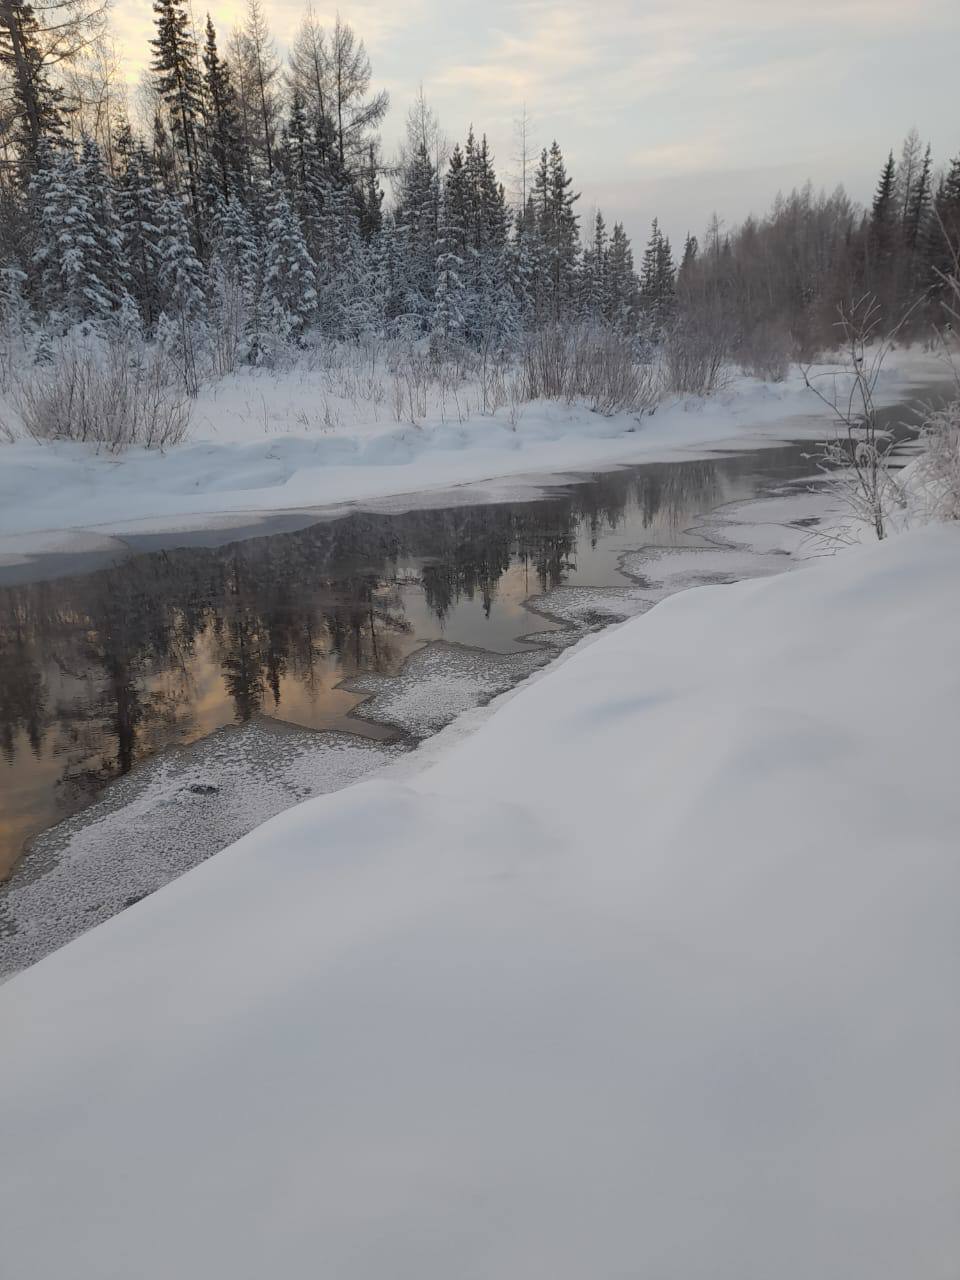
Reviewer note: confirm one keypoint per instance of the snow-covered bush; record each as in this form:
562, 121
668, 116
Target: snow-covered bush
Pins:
113, 392
936, 473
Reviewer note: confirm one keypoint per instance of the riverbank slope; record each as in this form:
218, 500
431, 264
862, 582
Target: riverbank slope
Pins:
653, 973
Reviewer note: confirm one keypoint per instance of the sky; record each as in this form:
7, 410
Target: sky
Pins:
668, 108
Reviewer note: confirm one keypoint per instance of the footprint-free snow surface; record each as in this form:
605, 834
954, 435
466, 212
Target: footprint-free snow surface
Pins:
652, 975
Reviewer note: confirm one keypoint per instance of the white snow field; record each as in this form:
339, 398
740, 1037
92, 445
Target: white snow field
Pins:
261, 444
653, 975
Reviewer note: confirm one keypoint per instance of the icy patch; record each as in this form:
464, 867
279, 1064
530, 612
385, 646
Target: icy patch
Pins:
592, 606
796, 522
662, 571
174, 812
438, 683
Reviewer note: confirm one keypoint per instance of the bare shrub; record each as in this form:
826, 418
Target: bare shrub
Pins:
858, 459
228, 343
598, 365
765, 352
113, 394
695, 351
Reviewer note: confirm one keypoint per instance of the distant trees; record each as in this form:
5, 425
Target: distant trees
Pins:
250, 214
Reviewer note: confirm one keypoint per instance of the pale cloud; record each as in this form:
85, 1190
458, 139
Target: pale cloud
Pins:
662, 106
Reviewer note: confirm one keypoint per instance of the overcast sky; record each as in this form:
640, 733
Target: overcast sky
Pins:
668, 107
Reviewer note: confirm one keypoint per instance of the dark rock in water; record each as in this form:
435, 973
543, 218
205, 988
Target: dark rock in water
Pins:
203, 788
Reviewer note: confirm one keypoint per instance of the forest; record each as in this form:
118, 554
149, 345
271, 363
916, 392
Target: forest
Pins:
237, 209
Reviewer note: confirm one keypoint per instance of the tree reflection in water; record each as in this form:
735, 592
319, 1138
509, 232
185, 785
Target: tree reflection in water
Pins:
100, 671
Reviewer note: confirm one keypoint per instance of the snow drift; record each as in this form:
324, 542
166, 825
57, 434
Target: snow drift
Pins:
653, 975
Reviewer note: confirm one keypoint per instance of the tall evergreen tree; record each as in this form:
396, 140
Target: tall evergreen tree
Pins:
622, 291
290, 286
559, 230
223, 131
177, 80
76, 261
139, 201
450, 296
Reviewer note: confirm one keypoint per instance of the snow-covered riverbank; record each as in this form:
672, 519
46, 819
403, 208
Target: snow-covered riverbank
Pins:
654, 973
260, 445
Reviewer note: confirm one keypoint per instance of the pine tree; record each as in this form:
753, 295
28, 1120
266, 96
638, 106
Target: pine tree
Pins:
139, 200
918, 204
594, 271
559, 230
77, 256
622, 290
883, 214
235, 286
223, 131
181, 281
290, 288
691, 249
657, 282
177, 81
417, 221
450, 295
943, 236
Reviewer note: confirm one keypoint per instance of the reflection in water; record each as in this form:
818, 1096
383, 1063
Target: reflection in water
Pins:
100, 671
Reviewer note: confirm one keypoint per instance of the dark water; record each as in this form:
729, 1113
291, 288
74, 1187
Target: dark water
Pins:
102, 670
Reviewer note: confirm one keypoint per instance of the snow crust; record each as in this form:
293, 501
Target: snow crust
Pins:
259, 444
654, 974
171, 813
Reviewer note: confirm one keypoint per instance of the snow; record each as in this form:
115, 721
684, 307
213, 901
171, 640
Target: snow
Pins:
653, 974
291, 443
167, 816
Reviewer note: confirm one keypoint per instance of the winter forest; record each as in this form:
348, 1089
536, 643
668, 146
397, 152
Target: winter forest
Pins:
239, 210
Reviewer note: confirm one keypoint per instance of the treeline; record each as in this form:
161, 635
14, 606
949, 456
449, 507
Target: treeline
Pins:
785, 276
247, 214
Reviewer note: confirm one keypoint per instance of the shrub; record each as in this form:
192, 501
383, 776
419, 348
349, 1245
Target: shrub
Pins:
598, 365
113, 393
695, 351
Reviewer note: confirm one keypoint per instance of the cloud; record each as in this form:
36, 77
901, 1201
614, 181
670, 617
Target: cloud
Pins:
648, 96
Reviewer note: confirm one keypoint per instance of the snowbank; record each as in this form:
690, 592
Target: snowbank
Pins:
262, 444
655, 974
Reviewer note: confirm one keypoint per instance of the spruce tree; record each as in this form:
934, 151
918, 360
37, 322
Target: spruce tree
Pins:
139, 200
181, 325
559, 230
223, 131
177, 80
290, 288
450, 298
621, 300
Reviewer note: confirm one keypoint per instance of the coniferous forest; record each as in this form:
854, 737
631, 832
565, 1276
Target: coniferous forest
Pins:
239, 207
